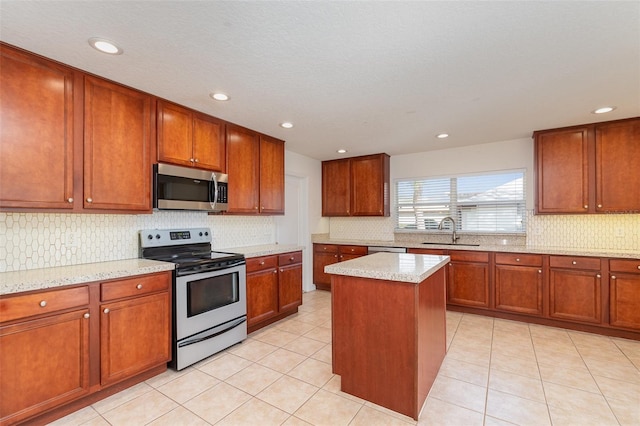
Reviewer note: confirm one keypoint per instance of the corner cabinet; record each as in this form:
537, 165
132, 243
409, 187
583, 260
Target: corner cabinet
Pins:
328, 254
588, 169
357, 186
190, 138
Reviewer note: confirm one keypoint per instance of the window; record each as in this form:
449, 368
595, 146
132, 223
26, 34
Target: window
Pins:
484, 203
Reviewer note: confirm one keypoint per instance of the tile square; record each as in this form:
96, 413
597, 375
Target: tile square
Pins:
255, 412
216, 403
141, 410
253, 379
313, 372
188, 385
516, 410
326, 408
287, 393
282, 360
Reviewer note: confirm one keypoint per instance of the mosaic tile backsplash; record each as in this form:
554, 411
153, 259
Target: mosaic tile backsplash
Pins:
39, 240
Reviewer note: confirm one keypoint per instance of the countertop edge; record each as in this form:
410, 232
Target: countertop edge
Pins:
385, 266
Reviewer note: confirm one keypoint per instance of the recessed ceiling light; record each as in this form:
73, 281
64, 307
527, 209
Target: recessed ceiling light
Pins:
603, 110
442, 135
219, 96
105, 46
341, 151
286, 125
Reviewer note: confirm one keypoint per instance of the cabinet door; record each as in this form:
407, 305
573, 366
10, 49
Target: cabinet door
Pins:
134, 336
37, 132
617, 167
562, 171
468, 284
43, 363
518, 289
575, 295
370, 185
336, 188
624, 300
117, 144
209, 146
262, 295
271, 176
175, 134
290, 287
243, 161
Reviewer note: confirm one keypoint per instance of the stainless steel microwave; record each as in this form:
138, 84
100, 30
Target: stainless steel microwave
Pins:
184, 188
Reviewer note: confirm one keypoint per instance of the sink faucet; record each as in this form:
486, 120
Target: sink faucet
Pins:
454, 237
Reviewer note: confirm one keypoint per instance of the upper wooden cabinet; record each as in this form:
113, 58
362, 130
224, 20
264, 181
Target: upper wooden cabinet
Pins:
255, 165
589, 169
190, 138
357, 186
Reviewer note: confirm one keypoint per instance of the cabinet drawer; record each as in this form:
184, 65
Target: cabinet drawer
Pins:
519, 259
290, 258
16, 307
259, 263
136, 286
353, 250
325, 248
468, 256
574, 262
618, 265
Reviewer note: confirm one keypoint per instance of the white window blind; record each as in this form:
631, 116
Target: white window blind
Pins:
492, 202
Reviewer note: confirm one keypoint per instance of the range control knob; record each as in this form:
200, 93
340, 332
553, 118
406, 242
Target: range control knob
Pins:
206, 234
157, 236
200, 234
150, 237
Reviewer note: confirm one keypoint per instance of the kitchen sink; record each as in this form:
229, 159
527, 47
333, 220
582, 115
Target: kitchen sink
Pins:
453, 244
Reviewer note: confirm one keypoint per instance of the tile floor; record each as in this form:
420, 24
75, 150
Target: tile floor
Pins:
496, 372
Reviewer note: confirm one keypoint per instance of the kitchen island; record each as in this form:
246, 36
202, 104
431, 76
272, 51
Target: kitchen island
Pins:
389, 327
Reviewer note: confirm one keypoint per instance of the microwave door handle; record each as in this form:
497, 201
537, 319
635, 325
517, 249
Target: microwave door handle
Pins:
213, 193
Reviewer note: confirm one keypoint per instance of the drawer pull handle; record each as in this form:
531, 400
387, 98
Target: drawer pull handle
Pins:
574, 263
86, 315
613, 277
598, 275
517, 259
43, 303
638, 266
139, 286
262, 263
292, 258
106, 310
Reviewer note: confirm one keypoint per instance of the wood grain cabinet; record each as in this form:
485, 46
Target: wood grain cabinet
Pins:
190, 138
518, 283
589, 169
328, 254
255, 165
468, 279
274, 288
44, 351
357, 186
575, 289
624, 293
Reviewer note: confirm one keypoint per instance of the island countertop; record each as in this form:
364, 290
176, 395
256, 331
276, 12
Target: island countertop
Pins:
405, 267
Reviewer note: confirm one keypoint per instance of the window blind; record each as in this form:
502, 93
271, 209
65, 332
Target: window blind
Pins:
492, 202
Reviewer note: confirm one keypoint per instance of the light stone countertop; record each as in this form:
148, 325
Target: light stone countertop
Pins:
45, 278
405, 267
263, 250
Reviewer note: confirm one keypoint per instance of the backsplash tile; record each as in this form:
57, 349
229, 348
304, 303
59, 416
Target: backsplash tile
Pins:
362, 228
39, 240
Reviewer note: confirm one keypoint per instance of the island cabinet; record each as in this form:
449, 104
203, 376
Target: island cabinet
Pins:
328, 254
624, 296
190, 138
356, 186
255, 165
468, 279
518, 283
274, 288
575, 289
588, 169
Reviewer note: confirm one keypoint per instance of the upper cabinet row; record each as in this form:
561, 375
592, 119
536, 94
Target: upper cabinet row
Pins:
589, 169
356, 186
72, 142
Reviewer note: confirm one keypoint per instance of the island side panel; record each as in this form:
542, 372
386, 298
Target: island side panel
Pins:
374, 340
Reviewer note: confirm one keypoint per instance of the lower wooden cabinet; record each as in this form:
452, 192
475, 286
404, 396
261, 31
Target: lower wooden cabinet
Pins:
468, 279
518, 280
575, 289
624, 293
328, 254
274, 288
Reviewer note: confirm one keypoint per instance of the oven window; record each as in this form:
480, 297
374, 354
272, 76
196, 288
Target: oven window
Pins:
211, 293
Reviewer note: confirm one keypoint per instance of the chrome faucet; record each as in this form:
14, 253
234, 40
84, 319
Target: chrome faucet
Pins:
454, 237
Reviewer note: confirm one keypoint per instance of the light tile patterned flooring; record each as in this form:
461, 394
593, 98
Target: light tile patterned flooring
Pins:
496, 372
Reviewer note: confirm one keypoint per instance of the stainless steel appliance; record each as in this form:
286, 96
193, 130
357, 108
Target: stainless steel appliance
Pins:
184, 188
209, 292
377, 249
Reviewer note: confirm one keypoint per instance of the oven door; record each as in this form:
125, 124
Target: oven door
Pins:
206, 300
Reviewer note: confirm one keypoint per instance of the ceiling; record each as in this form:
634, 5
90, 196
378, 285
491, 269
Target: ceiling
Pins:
365, 76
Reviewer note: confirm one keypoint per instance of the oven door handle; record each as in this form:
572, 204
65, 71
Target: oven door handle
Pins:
231, 325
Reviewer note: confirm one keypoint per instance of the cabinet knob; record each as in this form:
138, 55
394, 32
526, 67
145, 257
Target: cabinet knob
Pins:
139, 286
262, 207
539, 271
86, 315
196, 160
335, 255
517, 259
613, 277
638, 266
598, 275
89, 200
586, 206
292, 258
262, 263
191, 160
599, 206
70, 200
43, 303
255, 207
275, 271
574, 263
106, 310
451, 264
353, 249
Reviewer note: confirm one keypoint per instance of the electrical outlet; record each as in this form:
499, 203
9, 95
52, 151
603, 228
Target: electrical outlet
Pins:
72, 239
619, 232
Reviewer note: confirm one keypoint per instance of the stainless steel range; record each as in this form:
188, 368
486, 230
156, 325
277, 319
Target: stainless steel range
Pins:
209, 292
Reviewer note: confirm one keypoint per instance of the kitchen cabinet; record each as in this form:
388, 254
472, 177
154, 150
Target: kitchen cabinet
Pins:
356, 186
44, 351
518, 283
190, 138
575, 289
328, 254
468, 279
274, 288
624, 297
588, 169
255, 165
